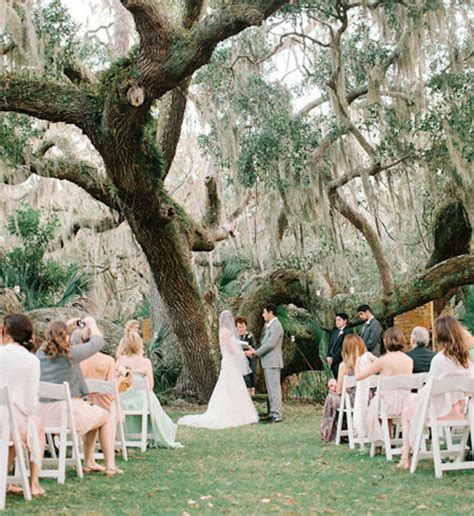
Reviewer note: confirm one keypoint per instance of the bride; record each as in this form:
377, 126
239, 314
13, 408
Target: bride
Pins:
230, 404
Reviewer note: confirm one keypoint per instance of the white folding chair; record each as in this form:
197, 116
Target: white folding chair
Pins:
139, 440
372, 384
10, 435
61, 392
110, 388
393, 445
346, 409
437, 386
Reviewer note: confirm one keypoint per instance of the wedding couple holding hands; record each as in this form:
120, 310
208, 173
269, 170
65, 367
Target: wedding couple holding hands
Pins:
230, 404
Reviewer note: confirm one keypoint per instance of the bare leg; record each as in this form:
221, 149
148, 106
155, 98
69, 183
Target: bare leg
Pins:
89, 447
407, 416
107, 442
36, 489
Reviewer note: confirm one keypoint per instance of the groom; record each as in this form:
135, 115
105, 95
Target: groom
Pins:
271, 358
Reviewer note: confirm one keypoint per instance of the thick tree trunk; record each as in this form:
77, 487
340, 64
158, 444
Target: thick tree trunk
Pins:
168, 257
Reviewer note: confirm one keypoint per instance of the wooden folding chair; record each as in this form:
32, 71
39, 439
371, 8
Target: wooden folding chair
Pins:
110, 388
11, 435
393, 444
61, 392
437, 386
139, 440
346, 409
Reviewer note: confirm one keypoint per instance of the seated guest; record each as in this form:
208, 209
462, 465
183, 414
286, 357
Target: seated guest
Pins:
246, 336
452, 359
20, 372
419, 353
60, 363
394, 362
163, 430
97, 367
334, 357
352, 349
131, 327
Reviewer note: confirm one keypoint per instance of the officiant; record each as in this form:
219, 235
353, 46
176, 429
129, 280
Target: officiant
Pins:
248, 337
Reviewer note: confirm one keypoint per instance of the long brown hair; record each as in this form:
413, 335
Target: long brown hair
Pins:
353, 347
394, 340
57, 341
452, 339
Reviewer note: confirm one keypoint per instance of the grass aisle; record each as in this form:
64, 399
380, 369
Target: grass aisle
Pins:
253, 470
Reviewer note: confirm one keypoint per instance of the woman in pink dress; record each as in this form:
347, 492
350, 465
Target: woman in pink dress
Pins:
20, 372
452, 342
60, 363
394, 362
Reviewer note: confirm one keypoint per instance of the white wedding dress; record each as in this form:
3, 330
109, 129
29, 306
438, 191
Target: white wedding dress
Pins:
230, 404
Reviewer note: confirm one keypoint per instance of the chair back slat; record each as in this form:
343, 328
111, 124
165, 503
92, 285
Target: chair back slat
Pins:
349, 381
140, 384
400, 381
53, 391
101, 386
463, 384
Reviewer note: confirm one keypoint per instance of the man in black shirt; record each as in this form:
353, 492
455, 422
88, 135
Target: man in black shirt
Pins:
420, 354
334, 354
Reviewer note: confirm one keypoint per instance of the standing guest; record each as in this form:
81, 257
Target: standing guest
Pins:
353, 348
419, 353
20, 372
371, 331
334, 356
247, 337
163, 430
131, 327
452, 359
59, 363
394, 362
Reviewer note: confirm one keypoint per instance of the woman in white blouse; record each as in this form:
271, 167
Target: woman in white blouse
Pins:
452, 359
20, 372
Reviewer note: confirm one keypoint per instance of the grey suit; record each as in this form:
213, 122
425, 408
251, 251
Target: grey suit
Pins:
271, 358
371, 334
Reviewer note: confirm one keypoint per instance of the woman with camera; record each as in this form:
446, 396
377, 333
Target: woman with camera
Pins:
59, 362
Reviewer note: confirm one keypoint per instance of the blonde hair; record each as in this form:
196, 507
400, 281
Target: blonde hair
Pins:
126, 337
453, 340
131, 344
353, 347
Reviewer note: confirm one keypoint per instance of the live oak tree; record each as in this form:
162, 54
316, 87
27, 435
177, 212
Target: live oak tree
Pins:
114, 110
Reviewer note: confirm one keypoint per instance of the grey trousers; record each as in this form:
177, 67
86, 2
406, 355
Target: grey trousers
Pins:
272, 381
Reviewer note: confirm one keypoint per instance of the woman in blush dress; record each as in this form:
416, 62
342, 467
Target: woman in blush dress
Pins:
394, 362
163, 430
59, 362
230, 404
353, 348
452, 342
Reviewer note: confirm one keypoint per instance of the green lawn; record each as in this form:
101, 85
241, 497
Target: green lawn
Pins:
253, 470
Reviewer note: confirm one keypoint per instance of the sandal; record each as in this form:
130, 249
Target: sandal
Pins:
404, 464
94, 468
112, 472
14, 489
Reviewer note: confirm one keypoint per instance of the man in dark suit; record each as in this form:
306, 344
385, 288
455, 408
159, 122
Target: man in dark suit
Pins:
371, 332
419, 353
334, 357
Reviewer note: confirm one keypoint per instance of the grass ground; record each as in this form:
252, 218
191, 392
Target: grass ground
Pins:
260, 469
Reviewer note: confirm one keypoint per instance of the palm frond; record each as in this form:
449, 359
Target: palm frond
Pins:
77, 284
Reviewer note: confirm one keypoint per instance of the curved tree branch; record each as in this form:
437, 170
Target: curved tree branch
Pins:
47, 100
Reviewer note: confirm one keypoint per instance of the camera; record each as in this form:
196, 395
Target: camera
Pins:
81, 323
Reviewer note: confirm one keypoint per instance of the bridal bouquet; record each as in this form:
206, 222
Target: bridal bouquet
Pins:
124, 377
